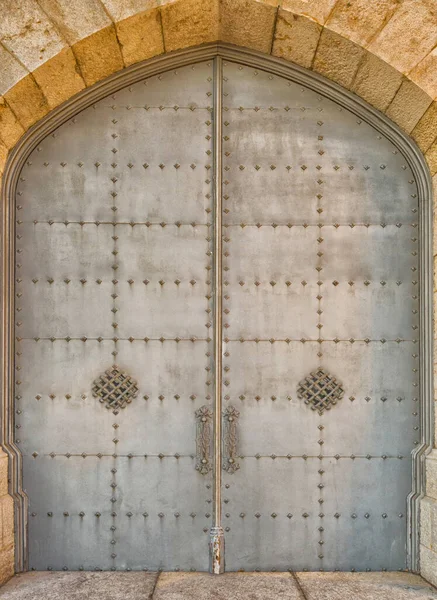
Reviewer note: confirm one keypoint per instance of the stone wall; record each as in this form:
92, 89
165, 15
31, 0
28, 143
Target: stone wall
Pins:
385, 51
6, 523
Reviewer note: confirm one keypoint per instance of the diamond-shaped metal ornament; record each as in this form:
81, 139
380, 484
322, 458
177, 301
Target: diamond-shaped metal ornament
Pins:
115, 388
320, 390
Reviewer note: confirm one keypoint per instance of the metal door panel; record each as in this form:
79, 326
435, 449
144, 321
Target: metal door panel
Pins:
61, 163
166, 312
248, 201
169, 395
74, 544
372, 507
291, 429
60, 251
65, 401
178, 434
182, 366
389, 197
276, 138
380, 486
254, 254
371, 312
378, 422
184, 87
257, 515
52, 309
74, 426
59, 536
139, 128
261, 383
370, 253
278, 544
90, 476
248, 87
262, 369
157, 252
146, 182
376, 370
267, 311
177, 506
349, 544
144, 193
76, 364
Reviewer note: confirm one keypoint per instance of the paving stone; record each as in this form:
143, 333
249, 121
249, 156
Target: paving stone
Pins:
79, 586
365, 586
230, 586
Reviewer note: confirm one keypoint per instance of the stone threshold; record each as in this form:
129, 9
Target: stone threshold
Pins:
203, 586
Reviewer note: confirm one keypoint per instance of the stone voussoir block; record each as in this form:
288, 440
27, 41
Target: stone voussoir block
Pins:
27, 101
98, 55
408, 106
248, 23
188, 23
296, 38
59, 78
140, 36
10, 128
337, 58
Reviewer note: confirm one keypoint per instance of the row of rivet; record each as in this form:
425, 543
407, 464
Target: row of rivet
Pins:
18, 348
241, 282
193, 224
114, 223
242, 515
193, 569
241, 167
241, 397
193, 339
191, 456
114, 309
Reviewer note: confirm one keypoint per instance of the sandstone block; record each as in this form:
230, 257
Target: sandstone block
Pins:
376, 81
296, 38
189, 23
59, 78
27, 101
140, 36
408, 36
337, 58
98, 55
408, 106
360, 20
10, 129
247, 23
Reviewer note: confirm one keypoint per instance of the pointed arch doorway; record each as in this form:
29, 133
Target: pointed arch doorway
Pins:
221, 325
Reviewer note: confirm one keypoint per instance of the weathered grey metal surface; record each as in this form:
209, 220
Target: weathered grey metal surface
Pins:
321, 270
115, 264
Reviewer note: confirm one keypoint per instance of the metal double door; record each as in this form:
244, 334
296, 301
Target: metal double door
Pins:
217, 330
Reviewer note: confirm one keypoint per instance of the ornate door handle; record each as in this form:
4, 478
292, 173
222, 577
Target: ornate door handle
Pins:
230, 440
203, 439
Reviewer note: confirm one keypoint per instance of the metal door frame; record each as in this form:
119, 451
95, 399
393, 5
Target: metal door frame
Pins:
129, 76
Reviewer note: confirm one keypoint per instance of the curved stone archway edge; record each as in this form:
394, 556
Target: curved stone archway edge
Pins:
384, 51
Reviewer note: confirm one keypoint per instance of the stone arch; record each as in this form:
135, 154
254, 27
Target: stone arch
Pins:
52, 50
